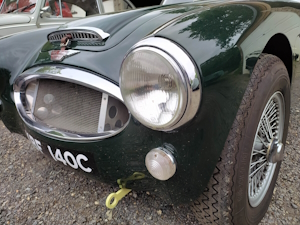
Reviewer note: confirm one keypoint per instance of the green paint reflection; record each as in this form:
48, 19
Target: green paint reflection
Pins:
220, 24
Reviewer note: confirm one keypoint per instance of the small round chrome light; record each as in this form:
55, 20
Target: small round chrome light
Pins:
160, 163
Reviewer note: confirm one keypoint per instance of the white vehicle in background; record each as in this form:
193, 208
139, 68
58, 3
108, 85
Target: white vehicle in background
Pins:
22, 15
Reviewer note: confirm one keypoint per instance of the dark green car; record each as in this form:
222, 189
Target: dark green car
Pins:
189, 100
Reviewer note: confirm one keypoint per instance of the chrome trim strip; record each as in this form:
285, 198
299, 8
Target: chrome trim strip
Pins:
63, 73
102, 114
57, 72
102, 34
100, 8
34, 97
169, 2
130, 3
51, 24
60, 9
17, 25
188, 69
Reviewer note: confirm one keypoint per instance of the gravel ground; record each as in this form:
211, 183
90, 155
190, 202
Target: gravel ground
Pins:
34, 190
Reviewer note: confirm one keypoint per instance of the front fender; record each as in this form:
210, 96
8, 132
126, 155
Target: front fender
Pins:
217, 38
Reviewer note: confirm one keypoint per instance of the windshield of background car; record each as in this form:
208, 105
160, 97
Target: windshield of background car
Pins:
72, 8
20, 6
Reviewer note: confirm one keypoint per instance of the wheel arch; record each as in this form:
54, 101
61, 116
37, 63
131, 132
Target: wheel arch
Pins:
280, 46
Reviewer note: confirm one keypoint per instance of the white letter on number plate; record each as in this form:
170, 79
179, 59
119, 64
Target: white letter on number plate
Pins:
83, 157
59, 157
68, 155
35, 142
51, 153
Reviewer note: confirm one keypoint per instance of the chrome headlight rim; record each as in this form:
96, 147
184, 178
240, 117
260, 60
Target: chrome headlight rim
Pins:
72, 75
188, 70
181, 84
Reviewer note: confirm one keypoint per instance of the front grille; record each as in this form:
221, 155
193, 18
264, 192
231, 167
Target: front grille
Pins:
70, 104
67, 106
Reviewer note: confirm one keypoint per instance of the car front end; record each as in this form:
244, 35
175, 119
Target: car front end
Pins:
89, 123
117, 99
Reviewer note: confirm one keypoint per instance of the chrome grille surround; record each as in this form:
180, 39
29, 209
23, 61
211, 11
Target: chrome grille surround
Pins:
79, 34
92, 86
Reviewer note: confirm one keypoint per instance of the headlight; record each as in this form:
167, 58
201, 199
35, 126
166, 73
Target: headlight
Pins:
156, 87
153, 88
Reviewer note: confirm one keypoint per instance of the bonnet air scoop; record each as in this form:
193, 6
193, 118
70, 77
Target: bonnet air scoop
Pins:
79, 34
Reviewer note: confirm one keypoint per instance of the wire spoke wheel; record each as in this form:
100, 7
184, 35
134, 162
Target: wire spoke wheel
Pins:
261, 171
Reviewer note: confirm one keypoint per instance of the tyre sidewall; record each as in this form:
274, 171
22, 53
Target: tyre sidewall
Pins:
275, 79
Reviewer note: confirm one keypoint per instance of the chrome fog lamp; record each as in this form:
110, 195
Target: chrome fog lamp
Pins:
160, 84
160, 163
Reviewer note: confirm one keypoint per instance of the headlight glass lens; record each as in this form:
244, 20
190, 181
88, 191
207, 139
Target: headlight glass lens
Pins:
153, 87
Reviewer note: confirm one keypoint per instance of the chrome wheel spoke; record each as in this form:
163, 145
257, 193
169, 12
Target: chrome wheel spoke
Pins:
264, 131
261, 139
261, 160
262, 152
259, 168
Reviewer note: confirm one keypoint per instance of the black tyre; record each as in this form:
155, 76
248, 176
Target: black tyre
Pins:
240, 190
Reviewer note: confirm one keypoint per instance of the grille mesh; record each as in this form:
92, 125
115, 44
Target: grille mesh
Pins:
74, 108
76, 36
